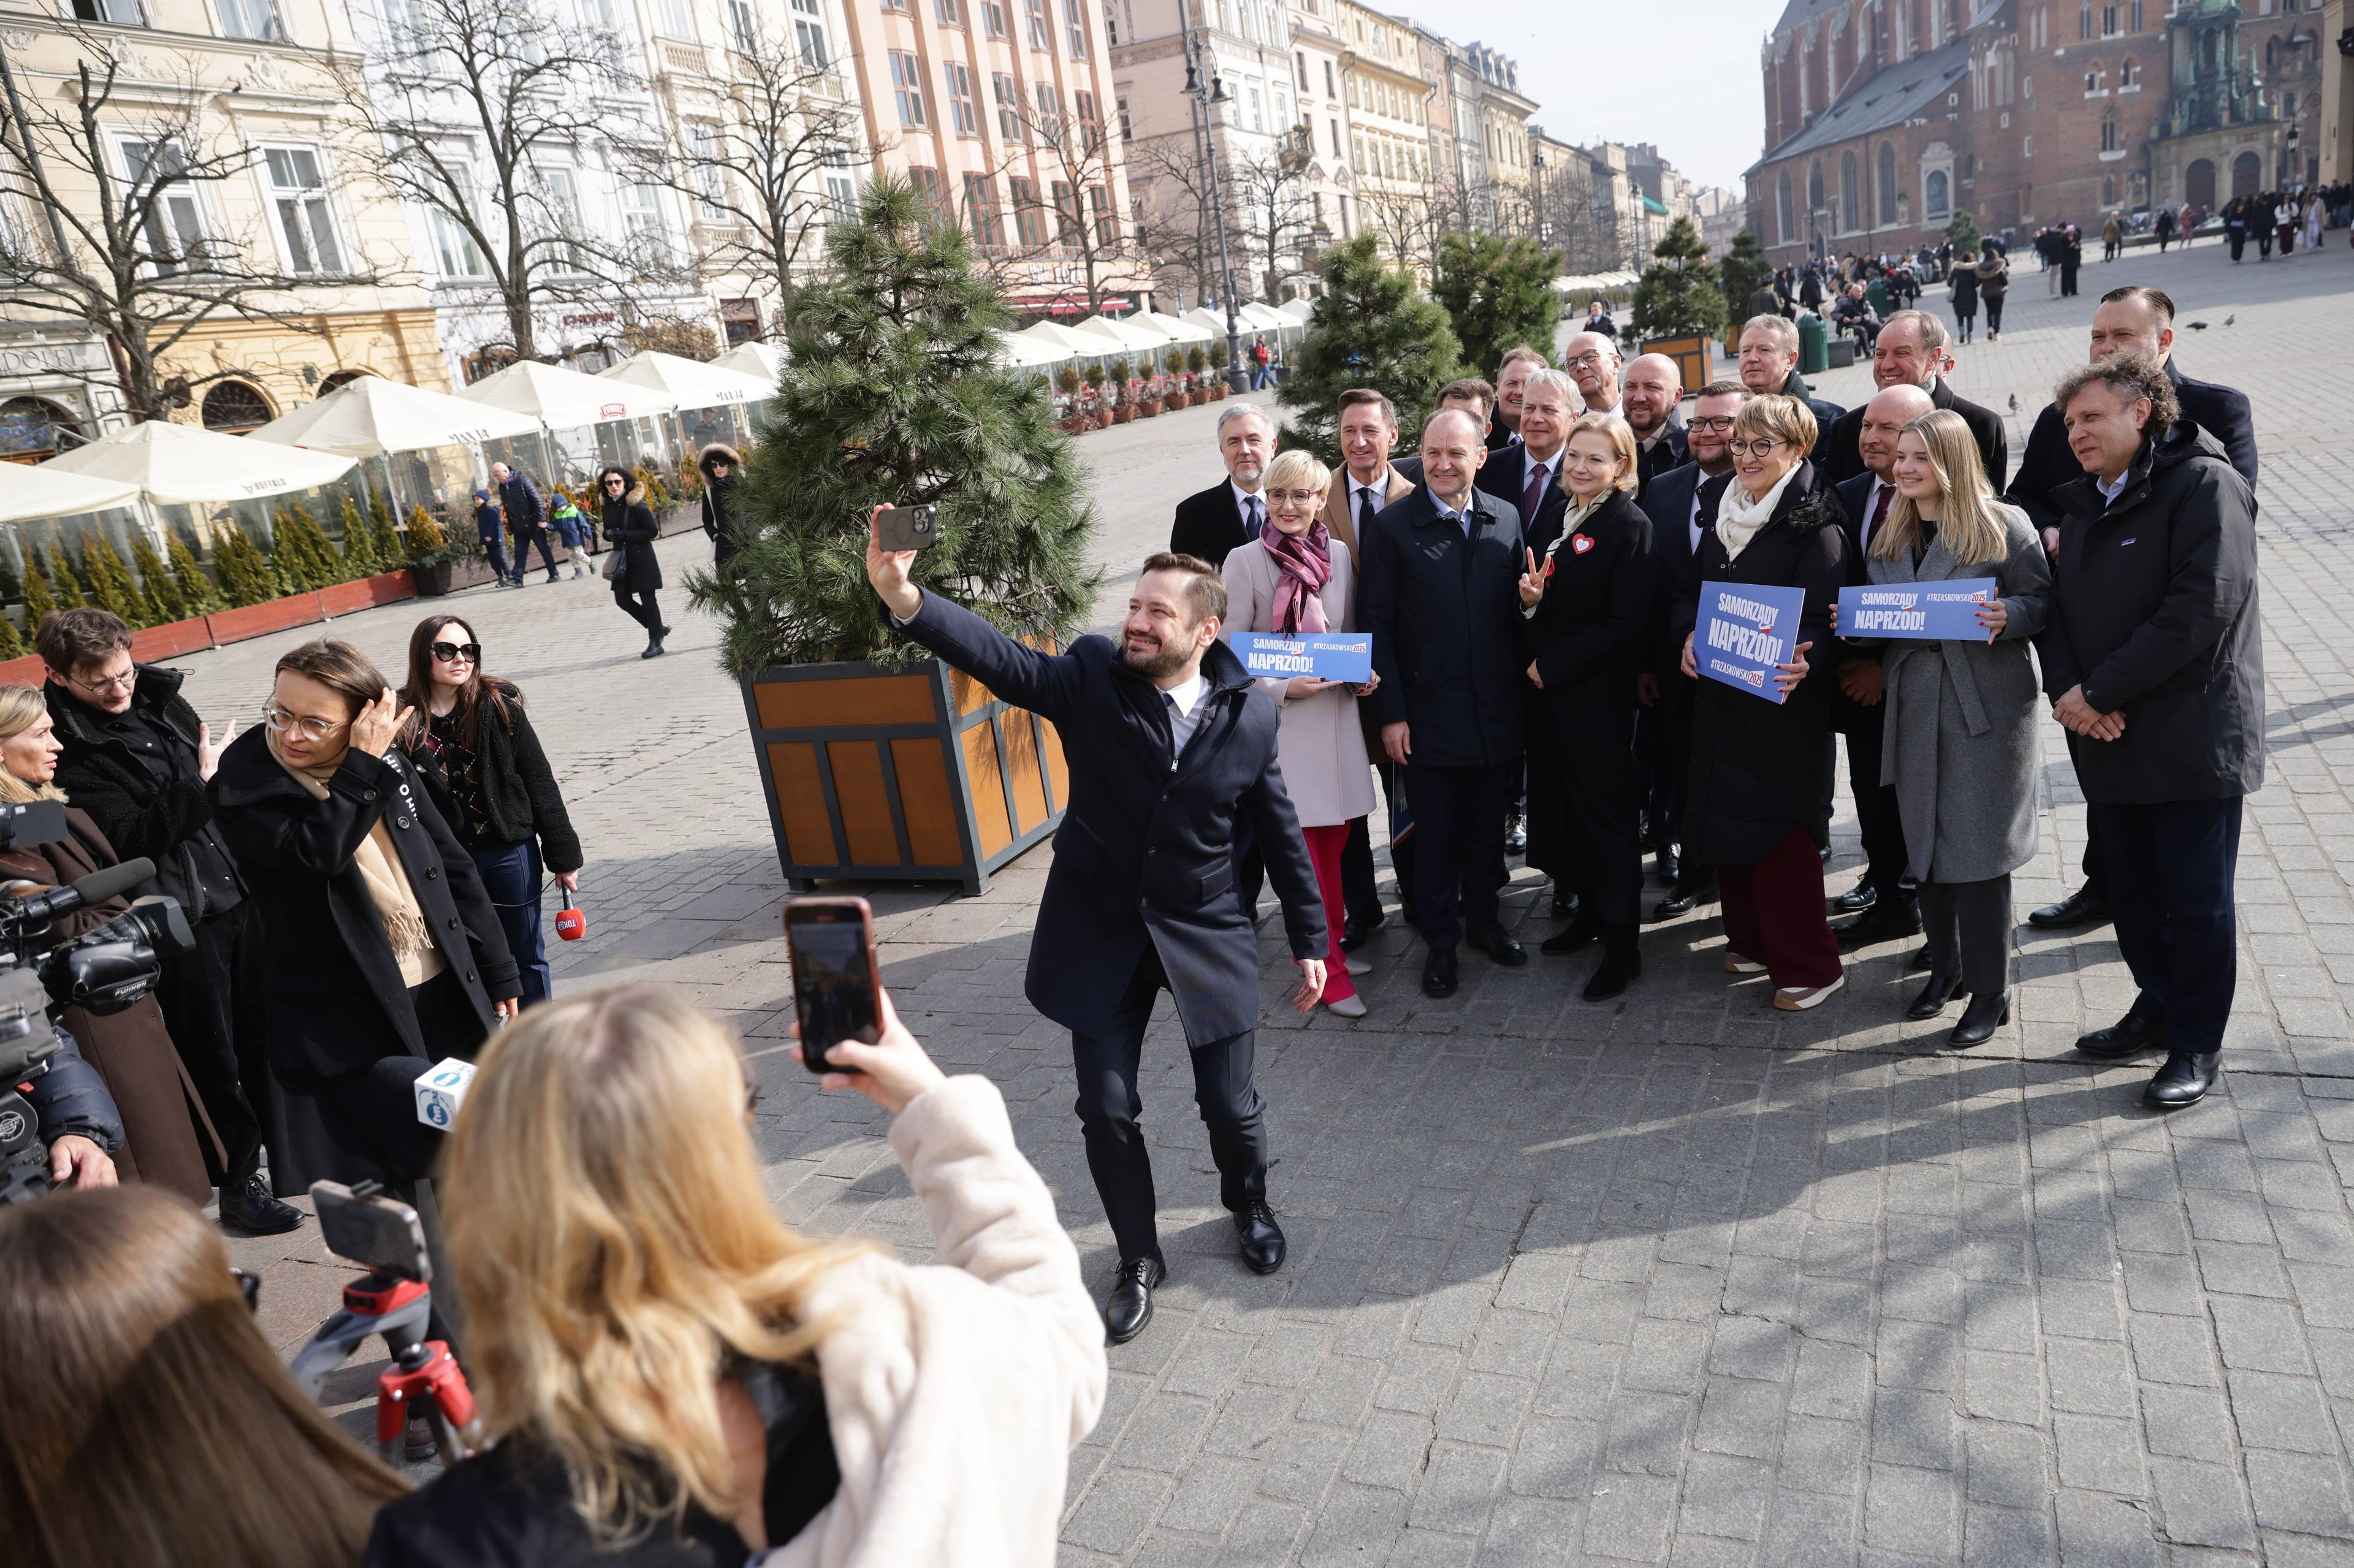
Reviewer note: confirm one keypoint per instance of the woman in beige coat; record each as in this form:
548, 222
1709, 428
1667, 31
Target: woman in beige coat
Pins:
1295, 578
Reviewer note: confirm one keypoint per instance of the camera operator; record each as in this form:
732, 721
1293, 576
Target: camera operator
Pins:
136, 759
78, 1122
131, 1048
148, 1420
678, 1377
385, 954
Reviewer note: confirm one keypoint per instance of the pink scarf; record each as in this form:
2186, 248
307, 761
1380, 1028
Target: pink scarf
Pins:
1306, 562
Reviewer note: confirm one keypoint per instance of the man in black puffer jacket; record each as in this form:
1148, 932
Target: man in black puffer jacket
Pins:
136, 760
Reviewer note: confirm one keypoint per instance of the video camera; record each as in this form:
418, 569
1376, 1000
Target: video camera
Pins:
104, 970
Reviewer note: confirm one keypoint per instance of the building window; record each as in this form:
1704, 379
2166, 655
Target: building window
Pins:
122, 13
841, 190
907, 89
809, 33
2092, 83
1328, 91
1111, 25
743, 27
2136, 16
1786, 228
704, 153
1250, 96
2108, 134
176, 225
962, 116
641, 215
1127, 129
949, 12
2109, 15
1067, 213
233, 407
1090, 128
299, 196
1008, 99
1937, 204
2108, 190
2084, 20
672, 21
1334, 127
1075, 27
1029, 222
981, 211
1106, 225
36, 428
1050, 114
2129, 78
1887, 194
1851, 196
1041, 34
935, 194
1301, 58
2027, 147
992, 17
252, 19
900, 5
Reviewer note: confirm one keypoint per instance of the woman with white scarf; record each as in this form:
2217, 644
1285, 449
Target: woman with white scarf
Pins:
385, 954
1760, 768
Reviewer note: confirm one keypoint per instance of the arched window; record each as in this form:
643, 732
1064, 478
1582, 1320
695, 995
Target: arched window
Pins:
2109, 133
1936, 202
36, 428
341, 378
1815, 188
2128, 75
1785, 228
1850, 202
1887, 212
234, 407
2108, 190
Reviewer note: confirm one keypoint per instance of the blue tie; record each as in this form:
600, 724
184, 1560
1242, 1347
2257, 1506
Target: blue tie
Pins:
1250, 516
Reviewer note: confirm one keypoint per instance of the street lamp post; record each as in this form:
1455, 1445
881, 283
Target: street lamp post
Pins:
1205, 100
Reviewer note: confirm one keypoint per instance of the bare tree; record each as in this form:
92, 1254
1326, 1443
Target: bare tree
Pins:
1273, 195
1178, 231
1409, 223
1075, 219
756, 175
506, 82
140, 257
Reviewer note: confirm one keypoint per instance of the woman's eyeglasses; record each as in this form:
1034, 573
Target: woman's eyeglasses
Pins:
1296, 497
452, 652
615, 483
1762, 447
279, 719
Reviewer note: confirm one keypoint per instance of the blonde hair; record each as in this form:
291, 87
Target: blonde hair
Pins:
1973, 525
22, 707
149, 1420
1296, 469
1621, 437
614, 1246
1784, 418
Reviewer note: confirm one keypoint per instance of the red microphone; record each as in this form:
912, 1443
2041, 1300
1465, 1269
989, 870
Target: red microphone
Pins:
570, 924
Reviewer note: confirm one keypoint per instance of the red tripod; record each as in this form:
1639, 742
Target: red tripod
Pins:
423, 1376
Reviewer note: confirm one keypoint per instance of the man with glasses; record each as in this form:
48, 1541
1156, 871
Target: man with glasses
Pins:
1592, 362
136, 759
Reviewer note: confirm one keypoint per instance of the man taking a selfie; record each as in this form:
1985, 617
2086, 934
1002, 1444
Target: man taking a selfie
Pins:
1172, 746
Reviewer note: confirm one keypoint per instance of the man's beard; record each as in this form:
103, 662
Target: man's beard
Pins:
1163, 659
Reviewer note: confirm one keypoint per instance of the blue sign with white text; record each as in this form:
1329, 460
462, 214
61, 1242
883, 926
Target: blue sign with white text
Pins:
1937, 611
1326, 655
1744, 630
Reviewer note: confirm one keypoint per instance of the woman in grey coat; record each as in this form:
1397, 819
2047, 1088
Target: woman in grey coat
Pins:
1961, 730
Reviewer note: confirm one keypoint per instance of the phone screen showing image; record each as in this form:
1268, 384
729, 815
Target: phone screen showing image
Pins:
834, 980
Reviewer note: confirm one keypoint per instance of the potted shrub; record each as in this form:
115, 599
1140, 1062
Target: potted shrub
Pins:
1099, 414
877, 760
1066, 406
1123, 395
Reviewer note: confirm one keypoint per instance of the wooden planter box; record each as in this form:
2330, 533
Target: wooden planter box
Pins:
918, 775
170, 640
28, 671
1690, 355
365, 593
449, 577
261, 619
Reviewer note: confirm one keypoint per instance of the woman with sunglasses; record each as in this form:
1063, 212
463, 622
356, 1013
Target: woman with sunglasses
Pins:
631, 528
1760, 768
474, 746
385, 953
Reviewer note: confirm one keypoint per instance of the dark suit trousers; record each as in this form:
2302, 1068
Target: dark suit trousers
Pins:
1876, 815
1110, 1109
2170, 868
1458, 824
1666, 731
2094, 873
1971, 919
215, 1002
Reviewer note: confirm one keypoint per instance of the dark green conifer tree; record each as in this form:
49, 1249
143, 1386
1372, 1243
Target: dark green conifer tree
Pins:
1371, 328
1499, 294
1676, 294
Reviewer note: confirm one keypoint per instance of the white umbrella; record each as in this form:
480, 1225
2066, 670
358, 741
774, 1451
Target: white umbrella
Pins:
1124, 334
695, 383
1298, 310
765, 360
1027, 353
561, 398
1177, 329
1266, 318
181, 465
1055, 334
369, 416
27, 493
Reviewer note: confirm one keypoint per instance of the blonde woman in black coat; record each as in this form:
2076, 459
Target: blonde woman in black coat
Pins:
630, 529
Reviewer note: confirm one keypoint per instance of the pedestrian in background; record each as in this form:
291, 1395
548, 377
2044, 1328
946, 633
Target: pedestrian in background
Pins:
572, 528
629, 534
1298, 580
1962, 291
149, 1420
2112, 239
474, 746
723, 507
526, 517
1961, 749
137, 759
489, 527
128, 1046
2072, 259
1994, 282
675, 1377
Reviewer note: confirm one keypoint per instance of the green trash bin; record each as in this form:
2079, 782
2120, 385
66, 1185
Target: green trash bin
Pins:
1814, 344
1875, 294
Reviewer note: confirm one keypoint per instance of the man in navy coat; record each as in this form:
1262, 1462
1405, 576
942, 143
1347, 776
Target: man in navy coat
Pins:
1172, 747
2139, 318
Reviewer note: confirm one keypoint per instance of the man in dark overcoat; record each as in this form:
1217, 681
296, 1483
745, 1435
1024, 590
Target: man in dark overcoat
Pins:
1172, 747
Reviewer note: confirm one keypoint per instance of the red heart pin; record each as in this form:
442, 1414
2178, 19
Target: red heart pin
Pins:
1581, 544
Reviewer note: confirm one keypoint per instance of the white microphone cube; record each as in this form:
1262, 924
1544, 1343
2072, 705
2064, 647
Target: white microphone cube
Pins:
441, 1089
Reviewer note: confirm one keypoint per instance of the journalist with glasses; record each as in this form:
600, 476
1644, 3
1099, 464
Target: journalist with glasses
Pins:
135, 757
480, 758
1759, 770
385, 953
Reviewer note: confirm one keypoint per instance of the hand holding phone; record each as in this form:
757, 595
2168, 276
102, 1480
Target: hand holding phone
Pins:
907, 527
837, 993
891, 1071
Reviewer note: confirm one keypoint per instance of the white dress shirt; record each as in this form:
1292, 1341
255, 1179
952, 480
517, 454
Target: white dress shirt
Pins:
1871, 506
1379, 490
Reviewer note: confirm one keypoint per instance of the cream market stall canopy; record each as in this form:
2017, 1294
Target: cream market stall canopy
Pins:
370, 417
561, 398
181, 465
765, 360
27, 493
696, 385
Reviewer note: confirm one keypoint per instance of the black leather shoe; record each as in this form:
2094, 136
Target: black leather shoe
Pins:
1919, 963
2088, 906
1679, 901
2134, 1035
1887, 921
1516, 834
1622, 964
249, 1206
2184, 1079
1492, 939
1856, 899
1438, 973
1934, 999
1987, 1012
1360, 931
1668, 867
1569, 940
1261, 1238
1131, 1306
1564, 906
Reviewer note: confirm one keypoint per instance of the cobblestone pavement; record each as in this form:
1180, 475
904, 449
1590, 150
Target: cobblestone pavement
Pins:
1678, 1279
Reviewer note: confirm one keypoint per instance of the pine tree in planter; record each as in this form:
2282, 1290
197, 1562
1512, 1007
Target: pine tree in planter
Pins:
1498, 293
199, 592
12, 643
892, 394
427, 545
62, 581
164, 595
111, 587
1962, 230
245, 576
1371, 328
383, 539
1677, 295
300, 553
38, 599
359, 545
1743, 270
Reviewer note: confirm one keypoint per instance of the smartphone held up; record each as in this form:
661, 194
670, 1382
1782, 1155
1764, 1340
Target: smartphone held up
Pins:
837, 987
907, 527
